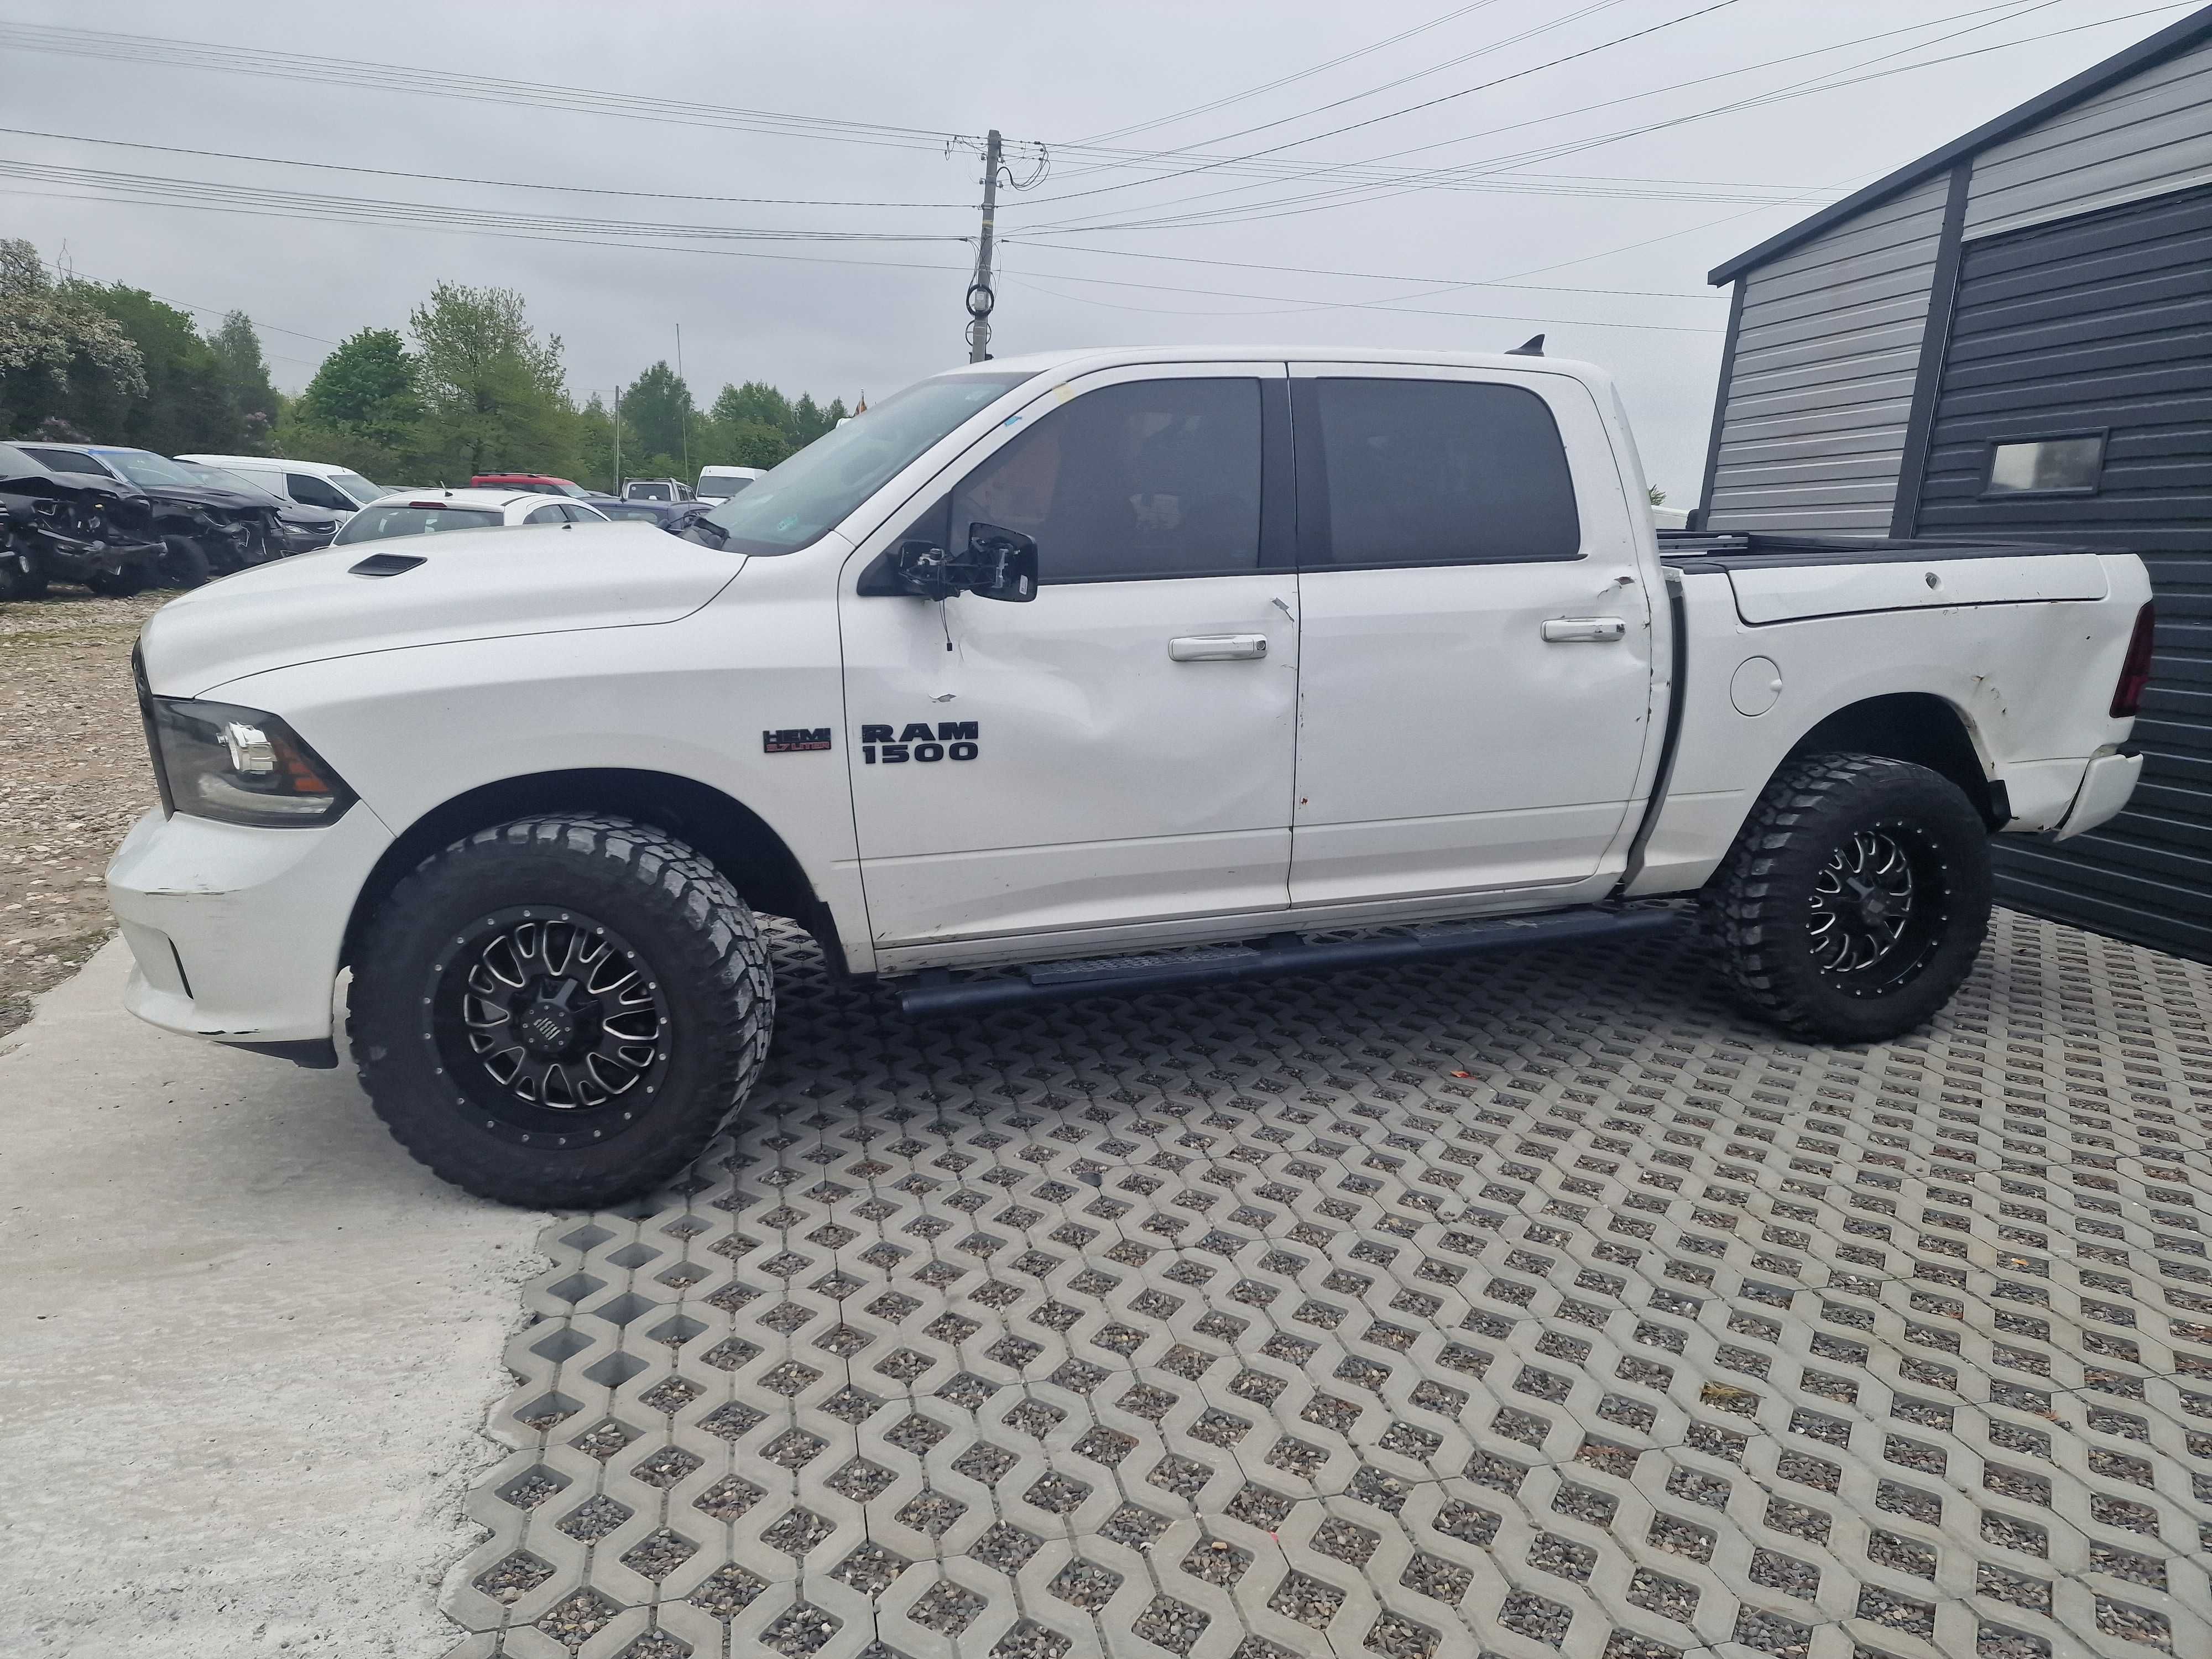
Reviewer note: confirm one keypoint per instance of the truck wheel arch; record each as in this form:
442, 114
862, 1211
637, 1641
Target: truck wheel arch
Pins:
737, 841
1917, 726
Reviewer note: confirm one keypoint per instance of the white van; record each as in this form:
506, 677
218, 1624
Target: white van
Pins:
719, 484
312, 483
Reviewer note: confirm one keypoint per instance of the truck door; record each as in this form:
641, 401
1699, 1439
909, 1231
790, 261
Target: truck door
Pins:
1116, 752
1475, 651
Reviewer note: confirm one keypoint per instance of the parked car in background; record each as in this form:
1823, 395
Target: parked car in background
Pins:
538, 483
57, 525
302, 529
658, 490
719, 484
206, 530
664, 513
429, 513
337, 489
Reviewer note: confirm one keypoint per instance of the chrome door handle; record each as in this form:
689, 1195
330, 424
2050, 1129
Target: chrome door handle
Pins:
1217, 647
1596, 630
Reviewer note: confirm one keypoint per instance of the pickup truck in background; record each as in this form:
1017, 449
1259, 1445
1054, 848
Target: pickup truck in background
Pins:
1090, 672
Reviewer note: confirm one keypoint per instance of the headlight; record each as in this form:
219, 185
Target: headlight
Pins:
215, 760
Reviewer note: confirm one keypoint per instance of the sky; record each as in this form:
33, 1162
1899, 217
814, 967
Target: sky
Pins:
1432, 175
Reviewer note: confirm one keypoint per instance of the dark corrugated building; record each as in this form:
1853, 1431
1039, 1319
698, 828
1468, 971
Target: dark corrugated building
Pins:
2013, 336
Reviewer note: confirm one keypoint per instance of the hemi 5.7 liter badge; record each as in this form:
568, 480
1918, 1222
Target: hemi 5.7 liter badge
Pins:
795, 740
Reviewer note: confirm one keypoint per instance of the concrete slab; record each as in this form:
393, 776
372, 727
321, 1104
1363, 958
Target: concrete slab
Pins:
248, 1348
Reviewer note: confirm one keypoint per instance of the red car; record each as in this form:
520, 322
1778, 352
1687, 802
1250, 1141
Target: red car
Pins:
537, 484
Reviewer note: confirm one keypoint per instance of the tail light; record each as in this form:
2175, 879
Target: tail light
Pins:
2135, 671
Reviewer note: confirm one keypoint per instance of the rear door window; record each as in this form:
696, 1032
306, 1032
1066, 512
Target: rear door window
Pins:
1148, 479
552, 514
1433, 472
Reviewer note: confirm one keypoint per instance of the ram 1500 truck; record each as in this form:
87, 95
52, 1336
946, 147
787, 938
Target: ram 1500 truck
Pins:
1094, 671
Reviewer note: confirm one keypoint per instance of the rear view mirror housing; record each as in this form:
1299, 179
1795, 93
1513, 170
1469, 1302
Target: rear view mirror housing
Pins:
997, 564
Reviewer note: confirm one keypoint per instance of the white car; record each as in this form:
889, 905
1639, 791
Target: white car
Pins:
426, 513
719, 484
1100, 672
337, 489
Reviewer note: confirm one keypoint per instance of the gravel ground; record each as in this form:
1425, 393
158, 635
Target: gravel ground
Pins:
73, 778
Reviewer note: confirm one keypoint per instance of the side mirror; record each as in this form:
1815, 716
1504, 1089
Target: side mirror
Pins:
997, 564
1001, 564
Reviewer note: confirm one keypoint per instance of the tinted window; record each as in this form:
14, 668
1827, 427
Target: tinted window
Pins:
306, 487
1443, 472
1154, 478
68, 460
648, 492
377, 524
552, 514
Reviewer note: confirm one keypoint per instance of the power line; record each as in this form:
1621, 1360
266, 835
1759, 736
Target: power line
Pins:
1429, 103
1706, 295
1419, 74
374, 210
1283, 206
1373, 169
460, 178
447, 82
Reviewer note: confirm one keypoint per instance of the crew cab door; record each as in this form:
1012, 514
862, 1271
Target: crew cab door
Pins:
1115, 753
1475, 654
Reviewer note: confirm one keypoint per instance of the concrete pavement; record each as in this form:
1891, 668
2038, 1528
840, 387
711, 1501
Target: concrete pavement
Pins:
248, 1346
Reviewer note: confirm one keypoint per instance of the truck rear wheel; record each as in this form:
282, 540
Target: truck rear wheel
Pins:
561, 1011
1855, 900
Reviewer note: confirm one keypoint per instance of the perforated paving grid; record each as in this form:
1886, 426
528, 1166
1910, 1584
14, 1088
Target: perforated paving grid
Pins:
1535, 1307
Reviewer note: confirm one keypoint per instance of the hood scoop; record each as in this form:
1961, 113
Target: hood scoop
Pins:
387, 564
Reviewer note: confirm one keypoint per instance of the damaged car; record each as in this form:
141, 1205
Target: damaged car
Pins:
205, 529
57, 525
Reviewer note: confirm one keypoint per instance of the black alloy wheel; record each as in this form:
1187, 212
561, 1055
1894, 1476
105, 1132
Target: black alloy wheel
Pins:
561, 1011
552, 1024
1855, 898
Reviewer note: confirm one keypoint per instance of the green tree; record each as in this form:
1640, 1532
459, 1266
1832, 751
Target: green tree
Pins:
186, 405
595, 448
495, 395
756, 443
361, 409
657, 414
807, 420
754, 403
53, 343
245, 376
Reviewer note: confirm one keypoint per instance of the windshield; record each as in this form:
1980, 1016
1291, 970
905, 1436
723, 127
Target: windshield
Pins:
806, 497
358, 487
151, 471
223, 480
378, 523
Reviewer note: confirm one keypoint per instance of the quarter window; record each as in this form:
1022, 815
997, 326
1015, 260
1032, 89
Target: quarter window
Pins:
313, 492
552, 514
1150, 479
1429, 472
2046, 465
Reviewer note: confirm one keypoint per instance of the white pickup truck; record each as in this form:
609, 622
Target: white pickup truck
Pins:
1100, 671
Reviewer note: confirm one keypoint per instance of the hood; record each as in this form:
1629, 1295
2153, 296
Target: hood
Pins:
470, 584
230, 500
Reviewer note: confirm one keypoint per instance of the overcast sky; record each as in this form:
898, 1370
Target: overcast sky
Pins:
1648, 212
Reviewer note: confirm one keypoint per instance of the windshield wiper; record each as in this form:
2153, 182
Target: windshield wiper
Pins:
701, 522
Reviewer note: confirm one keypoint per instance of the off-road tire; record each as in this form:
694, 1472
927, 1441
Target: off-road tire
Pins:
1760, 906
183, 564
684, 923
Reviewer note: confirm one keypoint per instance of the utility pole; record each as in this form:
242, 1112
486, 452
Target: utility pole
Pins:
979, 297
618, 477
684, 409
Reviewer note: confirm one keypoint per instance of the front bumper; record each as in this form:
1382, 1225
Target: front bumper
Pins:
235, 932
2106, 787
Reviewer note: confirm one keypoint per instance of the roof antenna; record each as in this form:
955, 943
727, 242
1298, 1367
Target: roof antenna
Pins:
1531, 347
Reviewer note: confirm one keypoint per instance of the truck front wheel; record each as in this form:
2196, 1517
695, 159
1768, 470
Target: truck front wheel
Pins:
561, 1011
1855, 900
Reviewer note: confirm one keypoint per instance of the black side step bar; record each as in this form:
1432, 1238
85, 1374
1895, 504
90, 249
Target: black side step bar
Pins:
937, 991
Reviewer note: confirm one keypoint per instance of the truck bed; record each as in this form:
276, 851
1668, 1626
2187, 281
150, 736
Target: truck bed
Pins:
1754, 550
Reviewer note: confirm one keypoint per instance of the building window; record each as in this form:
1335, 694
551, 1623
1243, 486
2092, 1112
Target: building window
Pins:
2046, 466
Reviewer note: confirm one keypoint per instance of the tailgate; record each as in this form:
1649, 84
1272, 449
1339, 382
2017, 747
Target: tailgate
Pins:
1791, 592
